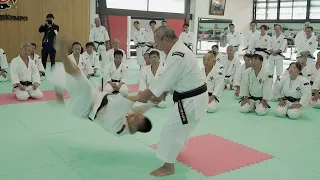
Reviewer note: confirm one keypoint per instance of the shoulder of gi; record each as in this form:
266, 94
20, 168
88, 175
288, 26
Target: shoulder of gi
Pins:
2, 51
304, 81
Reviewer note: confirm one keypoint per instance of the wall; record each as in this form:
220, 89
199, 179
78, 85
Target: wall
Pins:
238, 11
71, 15
118, 29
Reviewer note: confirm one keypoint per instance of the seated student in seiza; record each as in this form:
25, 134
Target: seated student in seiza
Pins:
93, 58
151, 72
3, 66
214, 80
116, 75
238, 76
81, 61
116, 114
25, 75
230, 63
293, 92
315, 93
256, 87
315, 68
38, 61
305, 72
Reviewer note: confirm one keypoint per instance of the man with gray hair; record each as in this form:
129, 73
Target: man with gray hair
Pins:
25, 75
186, 81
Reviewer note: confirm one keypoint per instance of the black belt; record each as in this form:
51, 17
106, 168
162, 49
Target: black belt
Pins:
25, 83
311, 83
104, 102
43, 73
215, 98
177, 97
228, 76
291, 99
254, 98
188, 46
113, 80
100, 43
262, 50
279, 53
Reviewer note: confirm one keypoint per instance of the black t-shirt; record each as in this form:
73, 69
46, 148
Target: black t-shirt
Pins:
49, 34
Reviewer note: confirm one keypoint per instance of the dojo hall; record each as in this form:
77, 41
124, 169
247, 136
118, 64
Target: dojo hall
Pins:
150, 89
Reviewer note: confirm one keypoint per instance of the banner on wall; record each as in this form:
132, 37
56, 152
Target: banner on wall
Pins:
7, 4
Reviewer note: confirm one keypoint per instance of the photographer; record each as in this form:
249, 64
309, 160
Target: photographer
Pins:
50, 31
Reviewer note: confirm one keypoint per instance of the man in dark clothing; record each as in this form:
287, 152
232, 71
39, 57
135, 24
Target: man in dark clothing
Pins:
50, 31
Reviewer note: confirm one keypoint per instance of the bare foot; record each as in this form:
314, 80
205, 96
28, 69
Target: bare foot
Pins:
165, 170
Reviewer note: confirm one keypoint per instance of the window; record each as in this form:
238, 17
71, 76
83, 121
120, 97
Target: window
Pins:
171, 6
315, 9
141, 5
293, 9
266, 9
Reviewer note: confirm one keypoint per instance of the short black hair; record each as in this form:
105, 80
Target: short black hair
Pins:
33, 44
104, 102
76, 43
216, 46
136, 22
257, 56
298, 65
152, 22
117, 52
146, 126
154, 52
265, 27
253, 22
185, 24
50, 16
231, 25
247, 56
309, 27
90, 44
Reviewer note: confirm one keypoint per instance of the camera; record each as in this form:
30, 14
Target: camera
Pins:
49, 21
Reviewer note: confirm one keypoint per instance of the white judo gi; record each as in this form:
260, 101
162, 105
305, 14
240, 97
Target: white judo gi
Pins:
116, 75
215, 84
234, 39
316, 87
296, 91
110, 56
182, 74
94, 61
277, 43
146, 79
99, 35
86, 99
256, 88
306, 72
38, 62
84, 64
314, 71
249, 37
260, 45
238, 78
3, 64
140, 37
26, 76
229, 68
305, 44
187, 38
220, 57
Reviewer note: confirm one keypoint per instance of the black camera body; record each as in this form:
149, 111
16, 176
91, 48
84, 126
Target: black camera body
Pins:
49, 21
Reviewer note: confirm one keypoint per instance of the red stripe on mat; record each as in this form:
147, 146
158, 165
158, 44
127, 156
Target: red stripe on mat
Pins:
49, 95
213, 155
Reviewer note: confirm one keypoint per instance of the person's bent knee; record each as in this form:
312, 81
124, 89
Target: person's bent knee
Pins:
294, 113
124, 90
37, 95
22, 96
245, 108
280, 111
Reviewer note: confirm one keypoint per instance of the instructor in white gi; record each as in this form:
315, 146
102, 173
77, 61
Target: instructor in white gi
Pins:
184, 77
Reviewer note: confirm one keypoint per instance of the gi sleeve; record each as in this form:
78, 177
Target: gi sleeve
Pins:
306, 93
316, 83
244, 87
96, 61
135, 38
252, 44
143, 79
269, 46
267, 87
106, 35
35, 76
88, 66
238, 75
169, 77
314, 45
124, 78
14, 73
141, 108
3, 59
283, 45
40, 65
278, 87
239, 39
91, 36
117, 110
107, 74
218, 85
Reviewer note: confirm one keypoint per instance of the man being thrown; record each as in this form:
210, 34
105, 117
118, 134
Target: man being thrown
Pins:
115, 113
214, 80
256, 87
25, 76
150, 73
116, 76
93, 58
183, 76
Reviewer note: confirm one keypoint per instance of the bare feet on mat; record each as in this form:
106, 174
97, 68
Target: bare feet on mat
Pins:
165, 170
